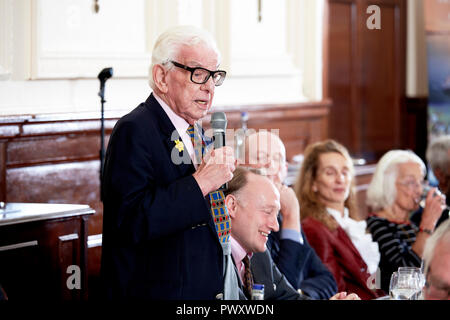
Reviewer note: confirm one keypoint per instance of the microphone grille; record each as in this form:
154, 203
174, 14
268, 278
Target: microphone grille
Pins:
219, 120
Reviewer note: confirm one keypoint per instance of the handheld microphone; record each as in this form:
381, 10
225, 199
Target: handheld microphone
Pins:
219, 125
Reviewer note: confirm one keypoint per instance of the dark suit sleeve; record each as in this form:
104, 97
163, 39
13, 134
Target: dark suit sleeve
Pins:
318, 282
276, 286
144, 206
289, 257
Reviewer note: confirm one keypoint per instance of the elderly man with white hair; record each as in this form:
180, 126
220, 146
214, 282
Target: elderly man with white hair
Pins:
393, 194
160, 239
436, 256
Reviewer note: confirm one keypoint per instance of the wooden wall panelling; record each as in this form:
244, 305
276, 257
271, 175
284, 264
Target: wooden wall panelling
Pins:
417, 123
340, 72
366, 76
382, 75
68, 253
72, 250
298, 124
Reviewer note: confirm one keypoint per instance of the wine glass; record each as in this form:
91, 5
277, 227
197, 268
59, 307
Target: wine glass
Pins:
393, 284
404, 285
418, 276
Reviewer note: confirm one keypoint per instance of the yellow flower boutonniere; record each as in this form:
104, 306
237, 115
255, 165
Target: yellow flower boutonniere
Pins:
179, 145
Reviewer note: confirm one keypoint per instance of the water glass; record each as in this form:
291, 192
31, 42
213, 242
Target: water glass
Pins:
418, 275
405, 285
425, 189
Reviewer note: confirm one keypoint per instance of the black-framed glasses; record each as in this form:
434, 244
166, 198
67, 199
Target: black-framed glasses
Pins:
201, 75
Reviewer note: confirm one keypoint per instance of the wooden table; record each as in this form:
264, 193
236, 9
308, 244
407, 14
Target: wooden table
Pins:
40, 244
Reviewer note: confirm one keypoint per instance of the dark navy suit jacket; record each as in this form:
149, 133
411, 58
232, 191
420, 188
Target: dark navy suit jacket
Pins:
159, 240
301, 266
264, 271
276, 286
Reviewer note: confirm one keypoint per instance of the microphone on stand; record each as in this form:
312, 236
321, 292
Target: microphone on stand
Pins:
104, 75
219, 125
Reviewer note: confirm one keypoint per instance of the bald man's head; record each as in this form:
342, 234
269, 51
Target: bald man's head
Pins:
267, 149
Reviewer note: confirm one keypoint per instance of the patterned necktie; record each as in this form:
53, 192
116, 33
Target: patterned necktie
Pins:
248, 278
197, 143
219, 210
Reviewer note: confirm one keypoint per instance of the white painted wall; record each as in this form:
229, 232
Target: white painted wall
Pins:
52, 50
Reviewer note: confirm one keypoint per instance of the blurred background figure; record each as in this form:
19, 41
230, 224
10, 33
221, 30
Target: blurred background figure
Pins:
436, 256
325, 189
438, 157
288, 247
393, 194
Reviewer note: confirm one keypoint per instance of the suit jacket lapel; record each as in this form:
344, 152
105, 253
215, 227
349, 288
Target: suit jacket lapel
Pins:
183, 163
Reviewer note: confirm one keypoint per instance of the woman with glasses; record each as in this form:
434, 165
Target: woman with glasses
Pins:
394, 193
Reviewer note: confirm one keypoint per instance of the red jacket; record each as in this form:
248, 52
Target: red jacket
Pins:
340, 256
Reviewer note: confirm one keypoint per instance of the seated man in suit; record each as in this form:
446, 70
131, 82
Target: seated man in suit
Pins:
159, 237
253, 203
289, 248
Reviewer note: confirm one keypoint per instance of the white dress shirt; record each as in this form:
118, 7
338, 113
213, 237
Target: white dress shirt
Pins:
181, 126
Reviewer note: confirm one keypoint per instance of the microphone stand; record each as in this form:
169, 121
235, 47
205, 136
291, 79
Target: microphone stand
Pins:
104, 75
102, 133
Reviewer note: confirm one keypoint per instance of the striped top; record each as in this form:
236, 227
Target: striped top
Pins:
394, 241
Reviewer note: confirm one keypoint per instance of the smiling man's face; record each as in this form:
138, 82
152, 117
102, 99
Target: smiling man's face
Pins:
254, 213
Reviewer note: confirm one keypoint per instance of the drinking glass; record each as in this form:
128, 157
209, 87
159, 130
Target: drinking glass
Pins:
405, 285
418, 276
425, 189
393, 284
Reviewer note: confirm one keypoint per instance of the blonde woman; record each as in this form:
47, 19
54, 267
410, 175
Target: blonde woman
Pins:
325, 189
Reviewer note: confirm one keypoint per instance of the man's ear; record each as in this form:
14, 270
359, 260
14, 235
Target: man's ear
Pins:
231, 203
159, 74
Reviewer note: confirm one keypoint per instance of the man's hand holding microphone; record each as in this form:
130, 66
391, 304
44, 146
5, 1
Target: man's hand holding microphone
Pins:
218, 165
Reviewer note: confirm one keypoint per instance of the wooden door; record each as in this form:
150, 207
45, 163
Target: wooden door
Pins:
365, 75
